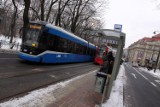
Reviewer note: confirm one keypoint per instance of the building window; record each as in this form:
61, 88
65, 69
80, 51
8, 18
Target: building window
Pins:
140, 54
149, 47
157, 48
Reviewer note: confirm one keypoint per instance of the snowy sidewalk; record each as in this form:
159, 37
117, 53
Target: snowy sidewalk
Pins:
77, 92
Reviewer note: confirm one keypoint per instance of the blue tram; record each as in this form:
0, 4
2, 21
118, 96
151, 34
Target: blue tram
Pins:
45, 43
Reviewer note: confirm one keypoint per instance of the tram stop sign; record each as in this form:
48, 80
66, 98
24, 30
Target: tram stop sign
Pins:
118, 27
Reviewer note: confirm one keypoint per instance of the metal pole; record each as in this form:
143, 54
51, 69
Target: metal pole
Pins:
104, 92
115, 67
157, 61
121, 51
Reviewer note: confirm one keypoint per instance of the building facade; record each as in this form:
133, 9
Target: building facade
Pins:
144, 50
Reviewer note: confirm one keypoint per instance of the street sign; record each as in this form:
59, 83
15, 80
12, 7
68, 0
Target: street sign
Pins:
111, 33
118, 27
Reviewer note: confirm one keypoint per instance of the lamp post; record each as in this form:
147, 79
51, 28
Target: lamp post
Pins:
155, 32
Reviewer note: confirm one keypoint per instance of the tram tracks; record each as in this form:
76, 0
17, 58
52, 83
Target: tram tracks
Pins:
49, 77
5, 75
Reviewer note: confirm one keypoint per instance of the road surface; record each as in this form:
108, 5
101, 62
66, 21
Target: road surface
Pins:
18, 76
140, 89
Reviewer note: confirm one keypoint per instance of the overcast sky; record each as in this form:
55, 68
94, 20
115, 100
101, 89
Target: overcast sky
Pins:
139, 18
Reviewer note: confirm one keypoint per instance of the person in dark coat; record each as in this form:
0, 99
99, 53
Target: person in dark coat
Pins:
110, 62
104, 65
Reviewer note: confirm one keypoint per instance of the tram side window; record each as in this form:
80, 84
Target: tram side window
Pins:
92, 52
62, 45
77, 51
81, 49
49, 42
52, 41
43, 41
89, 50
85, 50
71, 47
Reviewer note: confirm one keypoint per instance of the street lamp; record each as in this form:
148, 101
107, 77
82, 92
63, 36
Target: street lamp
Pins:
155, 32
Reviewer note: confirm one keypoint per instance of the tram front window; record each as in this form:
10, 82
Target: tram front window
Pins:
31, 37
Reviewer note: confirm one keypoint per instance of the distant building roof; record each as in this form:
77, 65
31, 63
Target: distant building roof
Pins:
156, 36
147, 39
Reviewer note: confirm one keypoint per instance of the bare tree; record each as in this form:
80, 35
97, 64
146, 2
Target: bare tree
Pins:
50, 8
13, 22
26, 12
79, 12
5, 13
42, 9
73, 15
61, 8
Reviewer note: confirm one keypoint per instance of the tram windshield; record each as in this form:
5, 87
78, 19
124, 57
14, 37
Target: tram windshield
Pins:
31, 36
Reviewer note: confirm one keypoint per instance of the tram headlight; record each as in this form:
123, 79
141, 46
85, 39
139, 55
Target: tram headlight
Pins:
33, 44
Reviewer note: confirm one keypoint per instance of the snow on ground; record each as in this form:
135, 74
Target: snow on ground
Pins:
4, 43
6, 39
116, 97
39, 98
155, 74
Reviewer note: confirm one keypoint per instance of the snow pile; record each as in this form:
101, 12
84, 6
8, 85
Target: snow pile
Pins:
7, 39
39, 98
116, 97
155, 74
4, 43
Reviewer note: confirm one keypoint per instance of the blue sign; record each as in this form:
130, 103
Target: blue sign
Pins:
118, 27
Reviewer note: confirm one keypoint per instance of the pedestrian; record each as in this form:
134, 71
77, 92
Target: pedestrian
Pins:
110, 59
104, 64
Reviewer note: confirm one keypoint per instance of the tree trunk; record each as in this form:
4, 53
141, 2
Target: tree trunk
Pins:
60, 11
58, 14
42, 9
25, 14
75, 19
13, 23
50, 8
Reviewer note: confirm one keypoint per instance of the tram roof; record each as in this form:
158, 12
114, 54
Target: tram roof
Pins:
67, 32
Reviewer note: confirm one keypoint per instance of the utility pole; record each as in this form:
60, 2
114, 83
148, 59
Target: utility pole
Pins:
157, 61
